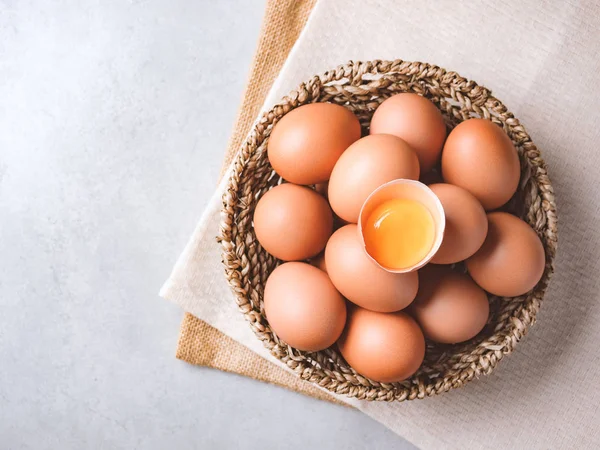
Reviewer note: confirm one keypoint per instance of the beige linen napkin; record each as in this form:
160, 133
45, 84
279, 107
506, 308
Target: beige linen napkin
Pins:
540, 58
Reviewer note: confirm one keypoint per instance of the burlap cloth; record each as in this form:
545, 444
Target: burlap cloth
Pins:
199, 343
540, 58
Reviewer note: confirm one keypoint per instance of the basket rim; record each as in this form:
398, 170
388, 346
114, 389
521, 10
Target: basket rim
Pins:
363, 76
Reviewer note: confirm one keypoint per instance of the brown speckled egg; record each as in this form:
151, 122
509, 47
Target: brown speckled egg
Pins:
303, 307
385, 347
416, 120
307, 142
480, 157
449, 307
466, 224
511, 260
366, 165
292, 222
360, 280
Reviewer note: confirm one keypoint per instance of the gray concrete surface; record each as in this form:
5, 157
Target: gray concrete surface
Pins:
113, 119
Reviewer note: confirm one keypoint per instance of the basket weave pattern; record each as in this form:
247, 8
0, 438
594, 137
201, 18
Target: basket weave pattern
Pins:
361, 87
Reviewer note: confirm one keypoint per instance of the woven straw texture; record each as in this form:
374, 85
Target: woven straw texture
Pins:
361, 87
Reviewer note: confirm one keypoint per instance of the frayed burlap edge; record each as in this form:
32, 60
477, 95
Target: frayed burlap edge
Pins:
203, 345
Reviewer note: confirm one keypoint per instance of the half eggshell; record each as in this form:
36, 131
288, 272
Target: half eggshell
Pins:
411, 190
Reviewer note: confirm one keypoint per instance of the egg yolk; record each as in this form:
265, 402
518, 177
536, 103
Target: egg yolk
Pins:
399, 233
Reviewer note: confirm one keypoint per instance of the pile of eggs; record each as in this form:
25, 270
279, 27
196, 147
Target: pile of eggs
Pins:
370, 252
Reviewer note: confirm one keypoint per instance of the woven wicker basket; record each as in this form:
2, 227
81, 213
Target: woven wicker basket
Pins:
361, 87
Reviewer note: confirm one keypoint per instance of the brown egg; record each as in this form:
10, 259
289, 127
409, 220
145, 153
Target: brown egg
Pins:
366, 165
385, 347
360, 280
292, 222
511, 260
480, 157
303, 308
416, 120
319, 262
450, 307
307, 142
466, 224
